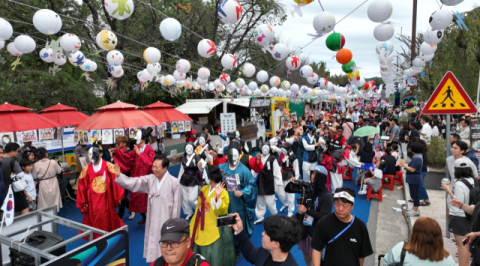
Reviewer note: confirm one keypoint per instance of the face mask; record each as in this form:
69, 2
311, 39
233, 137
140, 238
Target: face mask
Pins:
284, 151
94, 154
233, 156
138, 137
201, 140
189, 149
265, 150
237, 134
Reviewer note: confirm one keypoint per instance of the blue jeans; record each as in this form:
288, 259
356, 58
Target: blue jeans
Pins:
414, 194
422, 191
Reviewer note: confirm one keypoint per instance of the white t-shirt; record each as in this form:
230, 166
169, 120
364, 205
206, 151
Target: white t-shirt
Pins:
355, 115
378, 173
427, 131
30, 189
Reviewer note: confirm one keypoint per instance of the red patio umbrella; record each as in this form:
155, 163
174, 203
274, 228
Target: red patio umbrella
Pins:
64, 115
18, 118
165, 113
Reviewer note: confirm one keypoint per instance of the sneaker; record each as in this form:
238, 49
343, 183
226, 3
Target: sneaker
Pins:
259, 221
283, 208
412, 213
132, 215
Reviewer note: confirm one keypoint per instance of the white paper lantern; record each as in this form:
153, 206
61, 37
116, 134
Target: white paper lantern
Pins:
152, 55
119, 73
248, 92
179, 75
324, 22
433, 36
229, 61
294, 88
77, 58
262, 76
331, 87
257, 92
106, 40
203, 73
280, 51
224, 78
303, 90
288, 93
322, 83
441, 19
240, 83
114, 70
275, 81
70, 43
264, 34
88, 65
6, 30
115, 58
60, 59
386, 47
264, 89
119, 9
11, 49
231, 88
230, 11
47, 22
25, 44
248, 70
379, 10
427, 57
418, 62
252, 85
426, 48
46, 55
144, 76
451, 2
170, 29
312, 79
292, 62
273, 91
202, 82
206, 48
306, 71
2, 44
285, 85
169, 80
383, 32
218, 85
154, 68
183, 66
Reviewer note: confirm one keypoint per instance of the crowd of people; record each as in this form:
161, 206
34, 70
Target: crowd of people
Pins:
306, 156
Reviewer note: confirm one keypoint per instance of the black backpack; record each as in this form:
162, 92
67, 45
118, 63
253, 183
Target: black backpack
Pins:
474, 194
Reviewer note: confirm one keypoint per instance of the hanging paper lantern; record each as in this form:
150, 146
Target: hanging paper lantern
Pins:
262, 76
11, 49
115, 58
273, 91
274, 81
206, 48
280, 51
202, 82
2, 44
441, 19
77, 58
229, 11
330, 87
107, 40
292, 62
322, 83
144, 76
240, 83
119, 9
354, 75
294, 88
451, 2
179, 75
229, 61
60, 59
248, 92
46, 55
344, 56
285, 85
70, 43
218, 85
426, 48
152, 55
88, 65
288, 93
306, 71
154, 68
312, 79
114, 70
118, 72
349, 67
427, 57
231, 88
169, 80
252, 85
263, 34
418, 62
304, 90
248, 70
170, 29
25, 44
47, 22
264, 89
257, 92
335, 41
203, 73
224, 78
6, 30
324, 22
361, 83
383, 32
379, 10
433, 36
385, 47
183, 66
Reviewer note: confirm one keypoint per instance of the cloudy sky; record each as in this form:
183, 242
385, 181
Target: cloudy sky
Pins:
357, 29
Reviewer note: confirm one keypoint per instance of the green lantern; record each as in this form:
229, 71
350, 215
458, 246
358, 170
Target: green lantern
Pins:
348, 67
335, 41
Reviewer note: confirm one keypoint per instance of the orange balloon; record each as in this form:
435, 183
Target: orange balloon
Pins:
344, 56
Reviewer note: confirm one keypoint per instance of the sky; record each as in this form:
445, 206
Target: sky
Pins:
357, 29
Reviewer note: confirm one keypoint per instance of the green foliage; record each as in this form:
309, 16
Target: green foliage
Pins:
437, 152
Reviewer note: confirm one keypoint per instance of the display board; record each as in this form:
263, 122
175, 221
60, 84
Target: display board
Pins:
228, 122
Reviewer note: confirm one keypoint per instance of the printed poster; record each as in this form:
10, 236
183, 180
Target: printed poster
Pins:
7, 137
181, 126
118, 132
96, 135
46, 133
26, 136
261, 125
188, 126
174, 127
133, 131
83, 137
107, 136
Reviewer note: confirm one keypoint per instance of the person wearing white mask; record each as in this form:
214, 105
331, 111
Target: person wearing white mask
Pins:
191, 178
267, 181
203, 149
309, 156
290, 173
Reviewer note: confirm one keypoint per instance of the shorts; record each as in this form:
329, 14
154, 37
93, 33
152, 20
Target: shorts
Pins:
459, 225
21, 202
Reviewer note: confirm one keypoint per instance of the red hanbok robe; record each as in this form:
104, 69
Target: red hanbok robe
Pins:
101, 197
140, 165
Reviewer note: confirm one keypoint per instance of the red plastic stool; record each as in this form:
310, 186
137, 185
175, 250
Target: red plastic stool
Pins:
390, 183
375, 195
398, 178
347, 173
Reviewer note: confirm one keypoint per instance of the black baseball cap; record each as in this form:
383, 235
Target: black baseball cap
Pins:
174, 229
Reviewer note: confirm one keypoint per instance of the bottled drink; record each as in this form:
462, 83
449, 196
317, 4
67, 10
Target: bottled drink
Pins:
445, 181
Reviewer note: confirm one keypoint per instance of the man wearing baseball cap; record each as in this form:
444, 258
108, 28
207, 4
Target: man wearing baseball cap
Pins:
175, 244
340, 238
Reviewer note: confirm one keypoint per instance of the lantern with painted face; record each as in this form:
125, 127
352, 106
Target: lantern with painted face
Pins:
107, 40
70, 43
441, 19
264, 35
115, 58
433, 36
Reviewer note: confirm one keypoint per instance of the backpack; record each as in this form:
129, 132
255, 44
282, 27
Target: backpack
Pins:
474, 194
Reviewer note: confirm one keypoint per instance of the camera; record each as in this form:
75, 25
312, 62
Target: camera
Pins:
299, 186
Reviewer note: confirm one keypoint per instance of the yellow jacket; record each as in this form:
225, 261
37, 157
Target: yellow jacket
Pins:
213, 209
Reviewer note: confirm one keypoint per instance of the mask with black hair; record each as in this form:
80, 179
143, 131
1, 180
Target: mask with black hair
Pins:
94, 154
233, 156
202, 140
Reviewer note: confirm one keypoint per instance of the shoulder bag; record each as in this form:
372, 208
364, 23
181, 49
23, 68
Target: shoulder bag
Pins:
336, 237
18, 184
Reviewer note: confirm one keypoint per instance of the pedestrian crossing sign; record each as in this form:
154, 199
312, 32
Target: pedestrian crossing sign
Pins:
449, 98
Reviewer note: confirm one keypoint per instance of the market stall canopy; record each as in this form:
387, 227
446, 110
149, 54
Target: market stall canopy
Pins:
118, 115
18, 118
165, 114
198, 107
64, 115
243, 102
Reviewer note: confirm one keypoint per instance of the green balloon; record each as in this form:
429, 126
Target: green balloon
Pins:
347, 68
335, 41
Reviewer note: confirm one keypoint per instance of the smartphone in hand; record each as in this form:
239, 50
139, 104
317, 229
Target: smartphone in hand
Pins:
225, 220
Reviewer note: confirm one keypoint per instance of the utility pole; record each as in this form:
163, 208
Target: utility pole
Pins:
414, 31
